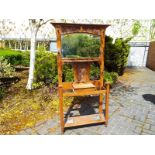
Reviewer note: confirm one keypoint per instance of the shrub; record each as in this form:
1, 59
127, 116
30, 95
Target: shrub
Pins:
68, 73
46, 68
6, 70
110, 77
116, 55
41, 48
94, 72
15, 57
25, 58
46, 71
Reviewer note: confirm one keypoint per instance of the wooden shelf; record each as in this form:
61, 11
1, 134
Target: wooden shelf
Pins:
84, 120
75, 60
83, 85
83, 93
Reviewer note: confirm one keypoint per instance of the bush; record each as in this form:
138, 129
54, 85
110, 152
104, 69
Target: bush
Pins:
68, 73
25, 59
46, 68
46, 71
110, 77
15, 57
116, 55
94, 74
6, 70
94, 71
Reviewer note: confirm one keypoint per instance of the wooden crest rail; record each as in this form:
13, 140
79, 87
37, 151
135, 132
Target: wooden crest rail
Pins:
82, 85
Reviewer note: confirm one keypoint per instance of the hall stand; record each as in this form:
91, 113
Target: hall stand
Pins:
82, 85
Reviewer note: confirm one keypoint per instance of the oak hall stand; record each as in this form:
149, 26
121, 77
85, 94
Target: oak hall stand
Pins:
82, 86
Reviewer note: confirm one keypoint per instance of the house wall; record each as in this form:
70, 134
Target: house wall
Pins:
151, 56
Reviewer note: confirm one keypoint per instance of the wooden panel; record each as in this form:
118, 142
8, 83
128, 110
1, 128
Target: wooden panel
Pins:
81, 72
84, 120
68, 28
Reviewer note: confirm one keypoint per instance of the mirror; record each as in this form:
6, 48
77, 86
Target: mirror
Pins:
80, 45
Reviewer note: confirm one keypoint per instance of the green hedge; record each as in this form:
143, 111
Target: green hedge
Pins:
15, 57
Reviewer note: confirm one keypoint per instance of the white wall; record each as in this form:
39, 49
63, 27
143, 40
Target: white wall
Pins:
138, 56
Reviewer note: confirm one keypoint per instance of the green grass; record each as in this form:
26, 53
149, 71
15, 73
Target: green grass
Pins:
6, 52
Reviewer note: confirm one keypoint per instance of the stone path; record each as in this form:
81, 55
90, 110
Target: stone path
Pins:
132, 109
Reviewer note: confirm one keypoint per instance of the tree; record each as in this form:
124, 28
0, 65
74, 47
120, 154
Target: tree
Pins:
6, 26
152, 30
136, 27
34, 24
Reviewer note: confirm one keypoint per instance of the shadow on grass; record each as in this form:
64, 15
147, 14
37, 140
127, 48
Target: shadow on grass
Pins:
149, 97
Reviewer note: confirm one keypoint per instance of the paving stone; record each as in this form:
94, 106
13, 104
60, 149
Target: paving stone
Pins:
138, 130
148, 132
29, 131
150, 121
43, 131
23, 133
147, 126
151, 116
152, 128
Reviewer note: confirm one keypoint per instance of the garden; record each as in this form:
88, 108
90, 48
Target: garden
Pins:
21, 108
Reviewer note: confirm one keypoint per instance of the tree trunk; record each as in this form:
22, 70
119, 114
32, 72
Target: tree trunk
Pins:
15, 45
9, 44
32, 59
20, 45
27, 45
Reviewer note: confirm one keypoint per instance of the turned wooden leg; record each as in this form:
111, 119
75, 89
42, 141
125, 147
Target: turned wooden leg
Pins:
107, 103
61, 110
101, 104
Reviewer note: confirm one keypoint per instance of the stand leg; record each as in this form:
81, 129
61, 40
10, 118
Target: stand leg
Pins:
107, 104
61, 110
101, 104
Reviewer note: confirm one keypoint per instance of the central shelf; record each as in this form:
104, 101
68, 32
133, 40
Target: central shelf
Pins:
74, 60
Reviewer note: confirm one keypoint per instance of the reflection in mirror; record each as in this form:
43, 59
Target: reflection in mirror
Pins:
80, 45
